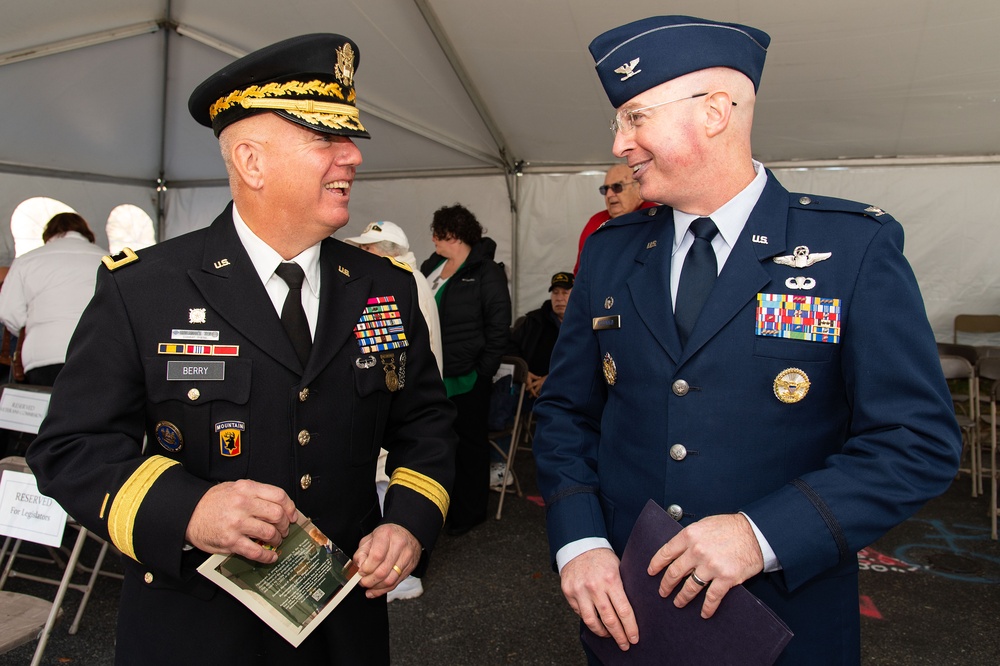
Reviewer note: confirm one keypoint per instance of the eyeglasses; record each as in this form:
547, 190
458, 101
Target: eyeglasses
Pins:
626, 121
614, 187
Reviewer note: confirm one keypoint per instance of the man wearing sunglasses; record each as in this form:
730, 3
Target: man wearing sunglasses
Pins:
759, 363
621, 196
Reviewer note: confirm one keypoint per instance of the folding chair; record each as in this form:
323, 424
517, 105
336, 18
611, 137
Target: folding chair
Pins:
70, 566
975, 323
989, 368
519, 381
958, 370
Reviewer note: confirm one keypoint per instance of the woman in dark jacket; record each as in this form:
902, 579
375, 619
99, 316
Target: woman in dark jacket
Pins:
474, 309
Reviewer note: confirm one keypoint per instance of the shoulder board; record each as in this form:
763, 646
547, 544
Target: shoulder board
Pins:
831, 204
400, 264
123, 258
635, 217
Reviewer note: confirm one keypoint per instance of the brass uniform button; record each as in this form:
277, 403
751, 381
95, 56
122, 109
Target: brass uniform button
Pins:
680, 387
675, 511
304, 394
304, 437
194, 394
678, 452
305, 481
148, 577
805, 201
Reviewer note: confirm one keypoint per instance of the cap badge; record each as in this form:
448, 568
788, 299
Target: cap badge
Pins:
344, 69
628, 69
802, 258
791, 385
610, 369
800, 282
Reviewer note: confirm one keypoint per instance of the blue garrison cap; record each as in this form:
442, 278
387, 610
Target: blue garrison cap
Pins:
641, 55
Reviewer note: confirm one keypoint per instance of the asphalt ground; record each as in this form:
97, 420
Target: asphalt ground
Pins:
930, 595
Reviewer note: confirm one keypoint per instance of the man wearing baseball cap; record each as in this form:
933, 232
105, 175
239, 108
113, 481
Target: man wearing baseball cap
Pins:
757, 362
264, 364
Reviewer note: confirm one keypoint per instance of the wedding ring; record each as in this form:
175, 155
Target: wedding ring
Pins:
395, 567
698, 581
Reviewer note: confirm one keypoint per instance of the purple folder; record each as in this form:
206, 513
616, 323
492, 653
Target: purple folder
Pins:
743, 630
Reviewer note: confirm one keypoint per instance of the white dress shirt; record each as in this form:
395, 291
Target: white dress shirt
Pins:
265, 260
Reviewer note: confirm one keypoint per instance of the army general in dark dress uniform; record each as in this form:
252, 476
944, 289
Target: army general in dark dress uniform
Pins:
223, 381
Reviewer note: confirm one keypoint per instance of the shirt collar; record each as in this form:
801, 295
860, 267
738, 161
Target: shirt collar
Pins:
265, 259
732, 216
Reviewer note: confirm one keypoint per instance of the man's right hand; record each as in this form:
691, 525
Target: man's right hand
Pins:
237, 517
592, 585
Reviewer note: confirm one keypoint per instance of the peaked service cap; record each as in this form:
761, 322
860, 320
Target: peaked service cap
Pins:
308, 80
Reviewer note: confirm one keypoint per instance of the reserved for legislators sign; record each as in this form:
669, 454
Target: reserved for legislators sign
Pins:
27, 514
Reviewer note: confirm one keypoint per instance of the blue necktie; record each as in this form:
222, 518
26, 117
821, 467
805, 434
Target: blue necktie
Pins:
293, 315
697, 277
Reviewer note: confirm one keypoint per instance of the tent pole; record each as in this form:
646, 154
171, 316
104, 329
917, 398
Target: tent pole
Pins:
161, 182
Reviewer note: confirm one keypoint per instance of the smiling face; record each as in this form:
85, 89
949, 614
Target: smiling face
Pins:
310, 175
692, 154
291, 184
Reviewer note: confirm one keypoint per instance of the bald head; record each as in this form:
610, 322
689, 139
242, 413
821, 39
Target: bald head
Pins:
626, 201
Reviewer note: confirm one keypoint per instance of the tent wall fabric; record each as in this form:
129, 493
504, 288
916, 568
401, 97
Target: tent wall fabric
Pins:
459, 95
949, 214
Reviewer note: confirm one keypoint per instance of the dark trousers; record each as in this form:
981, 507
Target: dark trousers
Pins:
44, 375
471, 494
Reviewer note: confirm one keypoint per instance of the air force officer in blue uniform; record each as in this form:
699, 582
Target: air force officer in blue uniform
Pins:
784, 402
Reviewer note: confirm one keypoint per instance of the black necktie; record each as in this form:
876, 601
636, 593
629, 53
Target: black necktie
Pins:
293, 316
697, 277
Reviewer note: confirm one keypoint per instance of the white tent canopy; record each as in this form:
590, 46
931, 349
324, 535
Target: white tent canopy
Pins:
899, 96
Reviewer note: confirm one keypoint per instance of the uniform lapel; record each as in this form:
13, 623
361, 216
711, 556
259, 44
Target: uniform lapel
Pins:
743, 275
233, 290
649, 283
342, 300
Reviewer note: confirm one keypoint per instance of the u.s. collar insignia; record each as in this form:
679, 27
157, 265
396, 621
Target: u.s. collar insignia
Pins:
230, 444
344, 69
169, 436
610, 369
628, 69
221, 263
791, 385
650, 245
197, 315
344, 271
802, 258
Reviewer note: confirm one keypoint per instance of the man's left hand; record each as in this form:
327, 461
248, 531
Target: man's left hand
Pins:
385, 557
720, 550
